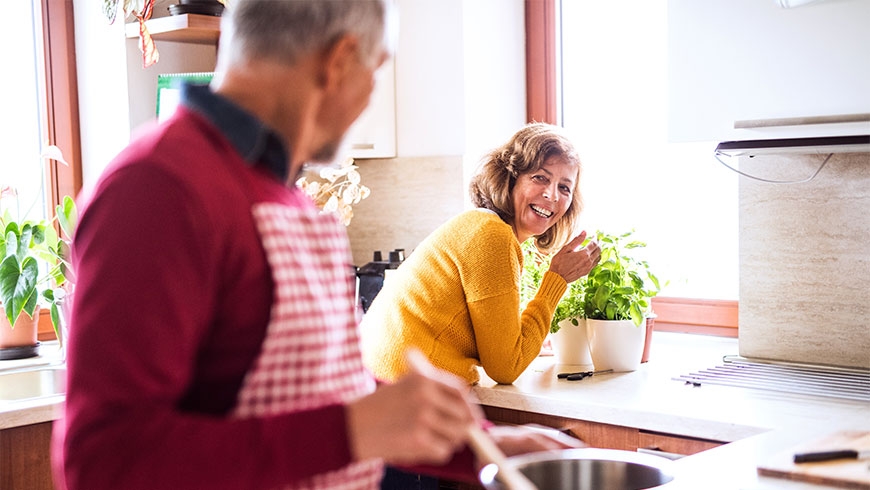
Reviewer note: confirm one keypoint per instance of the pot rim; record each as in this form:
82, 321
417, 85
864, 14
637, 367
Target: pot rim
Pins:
488, 473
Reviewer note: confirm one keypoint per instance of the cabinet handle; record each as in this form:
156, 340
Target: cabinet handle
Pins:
363, 146
658, 452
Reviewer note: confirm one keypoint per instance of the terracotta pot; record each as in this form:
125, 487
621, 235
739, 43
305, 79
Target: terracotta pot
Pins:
650, 326
23, 334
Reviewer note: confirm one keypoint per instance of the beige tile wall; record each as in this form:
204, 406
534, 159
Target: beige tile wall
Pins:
410, 198
805, 260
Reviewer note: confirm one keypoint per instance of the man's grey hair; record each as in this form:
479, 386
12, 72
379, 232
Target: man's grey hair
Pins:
285, 30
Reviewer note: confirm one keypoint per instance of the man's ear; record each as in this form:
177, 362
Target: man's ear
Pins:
339, 60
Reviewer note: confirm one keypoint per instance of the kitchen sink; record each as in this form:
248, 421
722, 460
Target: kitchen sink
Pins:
30, 383
586, 469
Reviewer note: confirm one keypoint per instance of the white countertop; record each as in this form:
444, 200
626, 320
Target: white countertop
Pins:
762, 423
33, 410
759, 423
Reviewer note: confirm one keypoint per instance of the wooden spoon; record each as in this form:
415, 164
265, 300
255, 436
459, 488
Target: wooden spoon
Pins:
487, 452
483, 446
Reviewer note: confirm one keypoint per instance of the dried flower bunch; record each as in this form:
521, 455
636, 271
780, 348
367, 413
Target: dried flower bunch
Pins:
338, 190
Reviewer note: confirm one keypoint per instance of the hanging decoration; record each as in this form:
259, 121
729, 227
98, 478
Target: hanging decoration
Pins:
142, 10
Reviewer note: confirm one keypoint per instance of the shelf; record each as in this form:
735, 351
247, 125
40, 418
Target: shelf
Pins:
186, 28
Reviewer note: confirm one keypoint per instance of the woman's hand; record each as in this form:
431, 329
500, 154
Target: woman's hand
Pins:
573, 261
514, 440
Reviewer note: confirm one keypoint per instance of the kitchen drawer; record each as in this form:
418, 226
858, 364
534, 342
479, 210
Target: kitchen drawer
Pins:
667, 444
607, 436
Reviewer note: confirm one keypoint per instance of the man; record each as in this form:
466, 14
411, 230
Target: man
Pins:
213, 342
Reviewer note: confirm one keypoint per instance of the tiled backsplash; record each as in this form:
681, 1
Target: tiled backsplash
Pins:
805, 260
410, 198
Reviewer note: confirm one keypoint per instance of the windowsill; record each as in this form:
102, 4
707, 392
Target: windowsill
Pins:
696, 316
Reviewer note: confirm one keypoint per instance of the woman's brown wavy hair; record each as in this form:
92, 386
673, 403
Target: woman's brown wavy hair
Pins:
493, 184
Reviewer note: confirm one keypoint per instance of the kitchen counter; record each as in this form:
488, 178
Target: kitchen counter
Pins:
756, 424
31, 410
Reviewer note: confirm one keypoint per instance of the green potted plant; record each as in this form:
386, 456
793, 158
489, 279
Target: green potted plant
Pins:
33, 266
616, 298
599, 315
568, 327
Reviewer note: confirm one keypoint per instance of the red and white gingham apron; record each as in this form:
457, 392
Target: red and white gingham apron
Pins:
311, 355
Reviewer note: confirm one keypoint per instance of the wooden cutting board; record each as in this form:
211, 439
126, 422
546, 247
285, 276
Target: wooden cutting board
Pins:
845, 473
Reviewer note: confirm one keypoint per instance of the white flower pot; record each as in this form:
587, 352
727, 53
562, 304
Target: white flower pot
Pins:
615, 344
570, 344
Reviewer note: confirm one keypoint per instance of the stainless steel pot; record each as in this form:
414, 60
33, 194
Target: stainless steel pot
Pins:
586, 469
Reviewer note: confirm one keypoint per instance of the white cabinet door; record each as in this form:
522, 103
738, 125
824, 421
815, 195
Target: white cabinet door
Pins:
373, 135
744, 60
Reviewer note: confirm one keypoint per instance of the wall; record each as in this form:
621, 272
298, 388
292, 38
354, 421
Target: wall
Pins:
101, 60
410, 197
460, 91
142, 82
804, 261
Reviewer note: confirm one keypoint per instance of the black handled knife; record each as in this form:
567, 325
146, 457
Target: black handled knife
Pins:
813, 457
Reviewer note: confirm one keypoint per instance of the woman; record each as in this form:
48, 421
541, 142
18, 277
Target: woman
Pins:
457, 296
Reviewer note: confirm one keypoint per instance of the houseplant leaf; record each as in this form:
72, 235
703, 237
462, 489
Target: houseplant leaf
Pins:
67, 216
18, 286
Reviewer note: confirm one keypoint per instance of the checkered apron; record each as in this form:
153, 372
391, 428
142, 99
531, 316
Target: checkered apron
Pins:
311, 355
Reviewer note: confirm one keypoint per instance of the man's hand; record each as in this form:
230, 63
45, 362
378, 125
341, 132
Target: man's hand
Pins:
421, 418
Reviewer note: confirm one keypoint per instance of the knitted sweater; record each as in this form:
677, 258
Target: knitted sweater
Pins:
457, 299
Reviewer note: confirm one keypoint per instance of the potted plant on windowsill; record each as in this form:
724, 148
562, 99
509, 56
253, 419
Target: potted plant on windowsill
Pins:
616, 302
598, 320
33, 271
567, 328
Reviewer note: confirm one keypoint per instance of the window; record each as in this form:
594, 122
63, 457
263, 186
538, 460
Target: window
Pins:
40, 106
22, 129
608, 87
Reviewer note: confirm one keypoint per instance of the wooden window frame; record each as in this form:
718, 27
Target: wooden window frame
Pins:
689, 315
541, 58
62, 118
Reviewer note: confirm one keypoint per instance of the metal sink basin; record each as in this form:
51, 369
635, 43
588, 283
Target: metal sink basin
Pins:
586, 469
30, 383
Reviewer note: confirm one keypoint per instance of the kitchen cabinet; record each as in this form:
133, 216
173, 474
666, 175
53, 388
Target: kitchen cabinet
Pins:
737, 61
606, 435
372, 136
25, 460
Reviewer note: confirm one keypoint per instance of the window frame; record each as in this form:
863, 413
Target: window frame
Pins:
687, 315
61, 121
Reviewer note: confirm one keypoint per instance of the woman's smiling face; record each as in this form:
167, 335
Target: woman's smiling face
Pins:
541, 197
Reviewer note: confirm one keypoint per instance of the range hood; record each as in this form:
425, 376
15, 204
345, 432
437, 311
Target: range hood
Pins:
809, 145
843, 133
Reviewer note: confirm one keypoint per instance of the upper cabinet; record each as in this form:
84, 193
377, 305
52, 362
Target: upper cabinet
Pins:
373, 135
187, 43
749, 69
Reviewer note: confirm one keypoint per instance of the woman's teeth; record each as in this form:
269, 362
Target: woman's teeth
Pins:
541, 212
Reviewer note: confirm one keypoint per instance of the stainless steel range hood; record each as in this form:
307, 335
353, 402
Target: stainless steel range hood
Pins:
841, 133
810, 145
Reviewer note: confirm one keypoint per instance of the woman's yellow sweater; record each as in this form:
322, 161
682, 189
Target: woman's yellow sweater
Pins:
457, 299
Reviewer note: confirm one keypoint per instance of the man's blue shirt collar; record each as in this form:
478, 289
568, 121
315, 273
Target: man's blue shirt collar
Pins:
256, 143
